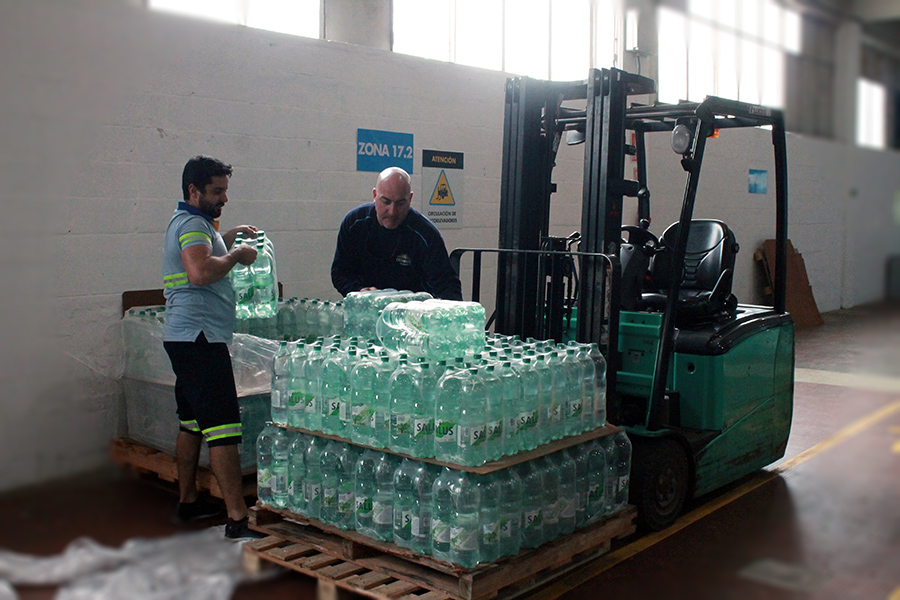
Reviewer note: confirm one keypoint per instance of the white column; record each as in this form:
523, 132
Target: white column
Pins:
847, 53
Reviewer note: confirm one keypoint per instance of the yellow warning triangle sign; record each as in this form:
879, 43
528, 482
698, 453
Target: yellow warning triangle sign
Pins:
442, 194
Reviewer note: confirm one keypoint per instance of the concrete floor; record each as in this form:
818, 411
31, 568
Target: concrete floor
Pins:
823, 523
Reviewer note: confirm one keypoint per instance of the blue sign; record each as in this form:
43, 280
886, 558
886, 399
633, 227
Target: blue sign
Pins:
378, 150
758, 181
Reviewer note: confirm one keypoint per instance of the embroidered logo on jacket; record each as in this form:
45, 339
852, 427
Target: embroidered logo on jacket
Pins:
403, 260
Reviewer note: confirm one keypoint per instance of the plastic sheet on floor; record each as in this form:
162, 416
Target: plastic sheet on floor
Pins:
194, 566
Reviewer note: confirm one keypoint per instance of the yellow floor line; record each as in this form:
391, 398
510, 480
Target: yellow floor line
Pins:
860, 381
610, 560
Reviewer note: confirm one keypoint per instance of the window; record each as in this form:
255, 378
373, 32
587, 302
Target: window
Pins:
871, 108
546, 39
297, 17
729, 48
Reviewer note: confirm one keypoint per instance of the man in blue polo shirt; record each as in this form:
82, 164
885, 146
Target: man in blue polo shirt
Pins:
198, 326
388, 244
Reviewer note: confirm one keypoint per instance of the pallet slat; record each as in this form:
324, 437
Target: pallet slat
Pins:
390, 572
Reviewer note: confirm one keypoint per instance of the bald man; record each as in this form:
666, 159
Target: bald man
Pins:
388, 244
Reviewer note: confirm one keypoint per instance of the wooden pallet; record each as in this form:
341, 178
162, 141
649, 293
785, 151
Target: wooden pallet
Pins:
149, 461
347, 562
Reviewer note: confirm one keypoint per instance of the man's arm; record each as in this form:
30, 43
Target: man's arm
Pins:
345, 274
203, 268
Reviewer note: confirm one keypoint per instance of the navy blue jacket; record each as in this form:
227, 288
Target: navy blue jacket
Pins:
411, 257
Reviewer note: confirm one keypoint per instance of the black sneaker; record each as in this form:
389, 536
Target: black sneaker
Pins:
188, 512
236, 530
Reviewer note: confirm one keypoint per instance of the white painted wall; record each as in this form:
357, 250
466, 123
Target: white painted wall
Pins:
104, 103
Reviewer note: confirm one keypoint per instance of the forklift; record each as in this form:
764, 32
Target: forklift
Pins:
702, 384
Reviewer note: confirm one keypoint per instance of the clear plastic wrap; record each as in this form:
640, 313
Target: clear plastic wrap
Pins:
194, 566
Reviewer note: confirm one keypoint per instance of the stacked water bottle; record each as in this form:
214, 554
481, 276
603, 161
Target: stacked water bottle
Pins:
256, 288
450, 514
512, 396
362, 309
308, 318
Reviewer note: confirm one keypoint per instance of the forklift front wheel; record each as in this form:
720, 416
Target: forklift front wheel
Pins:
659, 482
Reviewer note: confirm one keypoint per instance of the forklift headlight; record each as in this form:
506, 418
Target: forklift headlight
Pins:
681, 139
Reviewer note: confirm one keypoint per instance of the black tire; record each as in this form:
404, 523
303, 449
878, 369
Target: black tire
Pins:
660, 480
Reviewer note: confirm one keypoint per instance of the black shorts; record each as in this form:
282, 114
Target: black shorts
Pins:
204, 390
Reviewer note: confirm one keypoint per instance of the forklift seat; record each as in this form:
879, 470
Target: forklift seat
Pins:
708, 272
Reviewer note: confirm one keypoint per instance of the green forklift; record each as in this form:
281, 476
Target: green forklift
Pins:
702, 383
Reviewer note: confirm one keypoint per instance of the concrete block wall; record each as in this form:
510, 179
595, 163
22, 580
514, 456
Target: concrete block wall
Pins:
106, 102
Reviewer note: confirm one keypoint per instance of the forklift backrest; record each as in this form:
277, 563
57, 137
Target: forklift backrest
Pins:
711, 250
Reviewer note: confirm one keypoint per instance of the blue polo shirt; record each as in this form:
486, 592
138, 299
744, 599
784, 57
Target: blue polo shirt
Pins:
191, 308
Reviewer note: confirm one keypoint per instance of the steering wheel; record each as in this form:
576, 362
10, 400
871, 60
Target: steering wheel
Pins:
640, 237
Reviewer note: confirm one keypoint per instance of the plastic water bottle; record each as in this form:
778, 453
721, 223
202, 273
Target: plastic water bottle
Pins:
404, 394
510, 512
362, 402
332, 390
296, 387
312, 483
580, 456
550, 478
600, 386
420, 532
574, 410
281, 445
300, 308
404, 502
446, 413
564, 465
532, 505
465, 522
264, 443
442, 513
383, 505
312, 320
312, 395
471, 430
493, 393
285, 320
332, 472
242, 282
297, 473
550, 416
365, 488
264, 287
529, 406
423, 412
346, 491
623, 470
489, 496
512, 395
381, 417
608, 443
597, 474
281, 383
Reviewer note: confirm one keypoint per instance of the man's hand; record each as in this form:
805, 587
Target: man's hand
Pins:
249, 232
368, 289
244, 254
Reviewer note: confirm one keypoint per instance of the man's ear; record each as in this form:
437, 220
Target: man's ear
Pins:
193, 191
374, 194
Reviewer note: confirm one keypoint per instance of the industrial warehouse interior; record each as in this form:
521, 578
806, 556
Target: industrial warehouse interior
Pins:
748, 425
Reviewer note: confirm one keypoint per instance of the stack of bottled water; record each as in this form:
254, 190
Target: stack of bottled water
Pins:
515, 396
434, 329
362, 309
450, 514
255, 286
297, 319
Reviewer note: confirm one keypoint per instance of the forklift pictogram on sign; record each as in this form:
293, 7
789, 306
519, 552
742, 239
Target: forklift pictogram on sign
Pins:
442, 194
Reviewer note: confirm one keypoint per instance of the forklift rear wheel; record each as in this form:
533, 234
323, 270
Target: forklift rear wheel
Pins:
659, 482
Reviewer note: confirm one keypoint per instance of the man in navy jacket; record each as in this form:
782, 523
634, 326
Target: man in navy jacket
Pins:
388, 244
